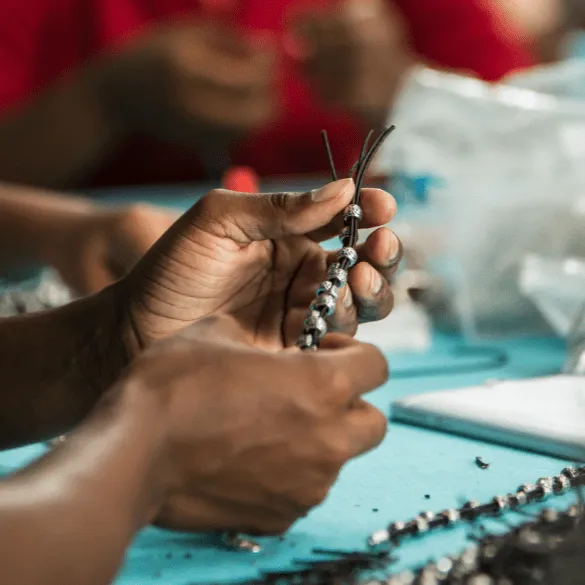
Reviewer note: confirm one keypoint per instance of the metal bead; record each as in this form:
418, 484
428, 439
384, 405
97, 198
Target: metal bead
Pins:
350, 254
546, 485
353, 211
344, 235
444, 566
452, 515
471, 505
338, 274
379, 537
327, 287
527, 488
316, 325
570, 472
428, 516
521, 498
549, 515
396, 529
325, 301
561, 484
501, 502
305, 341
421, 524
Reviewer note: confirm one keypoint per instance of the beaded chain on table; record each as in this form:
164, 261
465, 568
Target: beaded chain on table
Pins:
548, 548
315, 325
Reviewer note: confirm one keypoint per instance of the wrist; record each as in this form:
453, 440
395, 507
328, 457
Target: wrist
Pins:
140, 413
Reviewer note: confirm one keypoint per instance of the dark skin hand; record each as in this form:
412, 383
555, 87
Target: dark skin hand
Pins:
189, 444
356, 53
196, 84
254, 257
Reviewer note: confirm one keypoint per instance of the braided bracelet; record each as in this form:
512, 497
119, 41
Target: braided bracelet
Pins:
470, 511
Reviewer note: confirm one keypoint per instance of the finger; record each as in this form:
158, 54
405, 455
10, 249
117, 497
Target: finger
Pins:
378, 206
247, 218
345, 318
354, 368
366, 428
372, 293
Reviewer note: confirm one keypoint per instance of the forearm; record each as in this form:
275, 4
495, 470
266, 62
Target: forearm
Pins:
34, 223
55, 365
61, 136
68, 518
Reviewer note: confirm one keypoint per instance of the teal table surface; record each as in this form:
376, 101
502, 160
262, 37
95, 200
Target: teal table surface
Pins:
388, 484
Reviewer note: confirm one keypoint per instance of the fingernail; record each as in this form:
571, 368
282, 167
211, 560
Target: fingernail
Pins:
395, 254
376, 282
348, 298
340, 188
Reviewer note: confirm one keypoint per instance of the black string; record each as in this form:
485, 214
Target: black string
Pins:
329, 154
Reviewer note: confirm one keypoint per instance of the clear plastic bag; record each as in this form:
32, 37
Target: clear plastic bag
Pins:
503, 170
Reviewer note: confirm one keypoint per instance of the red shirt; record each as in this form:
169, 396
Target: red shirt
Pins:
42, 39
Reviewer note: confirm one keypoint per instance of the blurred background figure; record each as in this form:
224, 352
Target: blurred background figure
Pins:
103, 92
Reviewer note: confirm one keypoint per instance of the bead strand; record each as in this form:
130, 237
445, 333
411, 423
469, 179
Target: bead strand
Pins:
525, 494
324, 305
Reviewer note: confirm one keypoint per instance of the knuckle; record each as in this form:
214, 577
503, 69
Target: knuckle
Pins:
378, 424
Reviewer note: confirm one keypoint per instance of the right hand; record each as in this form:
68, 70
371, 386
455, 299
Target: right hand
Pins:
254, 439
190, 82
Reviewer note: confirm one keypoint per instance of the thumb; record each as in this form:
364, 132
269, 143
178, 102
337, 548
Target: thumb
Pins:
247, 218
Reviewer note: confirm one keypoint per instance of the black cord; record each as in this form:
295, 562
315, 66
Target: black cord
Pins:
329, 154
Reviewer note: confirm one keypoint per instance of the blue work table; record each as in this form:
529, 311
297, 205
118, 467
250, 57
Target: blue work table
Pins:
386, 485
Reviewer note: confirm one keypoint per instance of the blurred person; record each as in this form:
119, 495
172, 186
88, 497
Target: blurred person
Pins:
129, 91
167, 376
89, 245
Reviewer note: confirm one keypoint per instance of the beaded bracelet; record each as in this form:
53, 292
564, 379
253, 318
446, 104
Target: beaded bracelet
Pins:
470, 511
315, 325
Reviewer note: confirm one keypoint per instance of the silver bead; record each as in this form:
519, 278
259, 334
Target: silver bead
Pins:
344, 235
305, 341
521, 498
350, 254
353, 211
327, 287
421, 524
501, 502
527, 488
549, 515
444, 566
338, 274
570, 472
396, 528
561, 484
428, 516
452, 515
379, 537
546, 485
325, 301
471, 505
316, 325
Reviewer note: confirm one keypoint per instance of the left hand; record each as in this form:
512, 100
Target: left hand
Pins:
355, 54
257, 258
102, 246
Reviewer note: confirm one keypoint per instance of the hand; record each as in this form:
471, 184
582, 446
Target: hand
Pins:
355, 54
192, 83
102, 246
243, 453
256, 257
